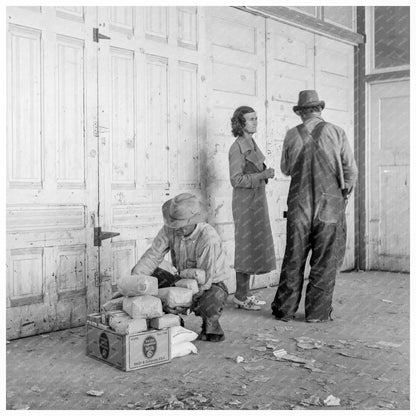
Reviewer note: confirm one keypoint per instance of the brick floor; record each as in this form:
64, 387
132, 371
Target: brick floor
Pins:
51, 371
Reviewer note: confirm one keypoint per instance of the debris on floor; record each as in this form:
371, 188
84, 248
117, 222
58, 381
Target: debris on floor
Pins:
282, 355
312, 400
359, 357
253, 369
95, 393
307, 343
260, 349
383, 344
332, 401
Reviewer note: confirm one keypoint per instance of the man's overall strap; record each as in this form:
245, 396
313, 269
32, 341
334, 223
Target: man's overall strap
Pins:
304, 133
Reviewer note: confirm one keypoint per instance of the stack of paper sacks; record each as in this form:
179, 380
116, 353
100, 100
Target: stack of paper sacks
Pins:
174, 297
181, 341
140, 301
124, 324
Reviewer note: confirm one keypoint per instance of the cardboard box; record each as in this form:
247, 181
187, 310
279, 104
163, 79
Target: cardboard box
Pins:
129, 352
98, 318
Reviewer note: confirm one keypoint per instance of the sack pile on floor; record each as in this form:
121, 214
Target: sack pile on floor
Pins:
142, 307
181, 341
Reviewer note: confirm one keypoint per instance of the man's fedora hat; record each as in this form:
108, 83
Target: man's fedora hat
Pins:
182, 210
308, 98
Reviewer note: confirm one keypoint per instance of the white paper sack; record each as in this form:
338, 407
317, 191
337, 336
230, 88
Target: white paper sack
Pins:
197, 274
190, 284
179, 334
137, 284
175, 296
114, 317
145, 306
130, 326
165, 321
182, 349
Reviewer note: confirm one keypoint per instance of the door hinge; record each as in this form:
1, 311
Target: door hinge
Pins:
99, 236
96, 35
97, 279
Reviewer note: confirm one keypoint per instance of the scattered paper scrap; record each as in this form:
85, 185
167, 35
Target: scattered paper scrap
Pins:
313, 368
280, 352
260, 349
235, 402
311, 401
252, 369
335, 345
95, 393
36, 389
266, 337
332, 401
239, 359
239, 393
270, 346
261, 379
307, 343
283, 328
282, 355
386, 301
388, 344
383, 379
359, 357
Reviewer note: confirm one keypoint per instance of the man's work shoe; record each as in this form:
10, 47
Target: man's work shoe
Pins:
255, 300
246, 304
316, 321
215, 337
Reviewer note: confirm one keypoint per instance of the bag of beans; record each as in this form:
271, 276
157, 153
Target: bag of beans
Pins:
189, 284
175, 296
145, 306
137, 284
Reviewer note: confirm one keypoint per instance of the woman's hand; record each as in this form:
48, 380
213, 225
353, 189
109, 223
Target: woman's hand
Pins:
268, 173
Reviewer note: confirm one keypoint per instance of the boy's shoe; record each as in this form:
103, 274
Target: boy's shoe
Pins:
215, 337
255, 300
246, 304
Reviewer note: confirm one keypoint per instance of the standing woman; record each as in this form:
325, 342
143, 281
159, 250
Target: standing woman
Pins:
254, 248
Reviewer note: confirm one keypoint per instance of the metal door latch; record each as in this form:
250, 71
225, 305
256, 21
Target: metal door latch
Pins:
96, 35
102, 235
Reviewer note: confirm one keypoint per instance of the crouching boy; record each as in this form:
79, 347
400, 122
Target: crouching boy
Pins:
196, 252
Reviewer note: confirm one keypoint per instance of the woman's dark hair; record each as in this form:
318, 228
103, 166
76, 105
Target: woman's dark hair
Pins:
238, 121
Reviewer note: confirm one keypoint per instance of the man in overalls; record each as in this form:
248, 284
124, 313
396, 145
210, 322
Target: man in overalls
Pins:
317, 156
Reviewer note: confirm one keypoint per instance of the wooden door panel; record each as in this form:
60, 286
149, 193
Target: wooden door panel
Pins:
52, 169
235, 76
150, 130
389, 213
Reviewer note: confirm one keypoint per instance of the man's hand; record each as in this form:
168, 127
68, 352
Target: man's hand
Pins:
179, 310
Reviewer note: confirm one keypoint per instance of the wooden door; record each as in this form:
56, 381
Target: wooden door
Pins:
290, 69
389, 157
150, 127
235, 61
334, 81
52, 168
